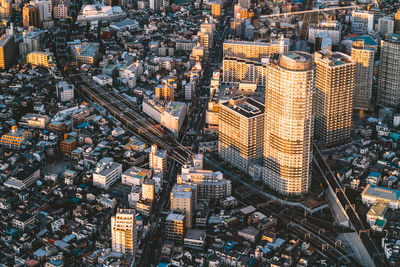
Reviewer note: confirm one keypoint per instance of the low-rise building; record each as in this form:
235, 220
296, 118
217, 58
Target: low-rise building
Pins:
135, 176
107, 173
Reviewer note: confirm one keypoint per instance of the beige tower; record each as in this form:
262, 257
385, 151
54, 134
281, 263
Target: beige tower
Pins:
123, 231
333, 101
288, 124
363, 55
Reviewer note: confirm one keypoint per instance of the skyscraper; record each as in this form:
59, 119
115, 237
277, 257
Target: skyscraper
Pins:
333, 101
363, 54
389, 72
123, 231
31, 16
8, 51
241, 132
288, 123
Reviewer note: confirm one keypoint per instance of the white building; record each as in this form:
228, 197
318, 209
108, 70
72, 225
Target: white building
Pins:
45, 9
107, 173
135, 176
158, 159
103, 79
332, 29
65, 91
100, 12
362, 22
31, 41
385, 26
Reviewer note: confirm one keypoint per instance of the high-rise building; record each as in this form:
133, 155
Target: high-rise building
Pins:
254, 50
385, 26
333, 100
165, 92
397, 22
363, 54
31, 41
155, 4
31, 16
289, 124
389, 72
216, 9
158, 159
8, 51
148, 189
241, 132
237, 70
183, 200
175, 227
123, 231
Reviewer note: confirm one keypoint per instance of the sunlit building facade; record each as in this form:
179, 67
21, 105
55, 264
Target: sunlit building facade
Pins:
333, 100
288, 124
123, 231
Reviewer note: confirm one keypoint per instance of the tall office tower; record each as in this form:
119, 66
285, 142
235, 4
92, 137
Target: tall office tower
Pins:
363, 54
289, 124
389, 72
158, 159
123, 231
45, 9
8, 51
333, 100
245, 3
31, 16
183, 200
397, 22
385, 26
241, 132
216, 9
254, 50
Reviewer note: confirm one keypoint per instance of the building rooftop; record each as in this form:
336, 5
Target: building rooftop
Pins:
382, 193
333, 59
297, 61
175, 217
184, 194
393, 38
247, 107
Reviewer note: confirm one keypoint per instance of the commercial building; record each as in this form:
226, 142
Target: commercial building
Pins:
333, 100
15, 138
8, 51
107, 173
158, 159
254, 51
373, 193
241, 132
362, 22
38, 58
100, 12
363, 54
183, 201
86, 53
236, 70
331, 28
289, 124
135, 176
123, 231
389, 72
175, 227
31, 16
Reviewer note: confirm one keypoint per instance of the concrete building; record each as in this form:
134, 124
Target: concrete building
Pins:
385, 26
8, 51
216, 9
135, 176
15, 138
389, 72
183, 201
175, 227
23, 178
362, 22
331, 28
123, 231
158, 159
31, 41
155, 4
165, 92
245, 3
86, 53
107, 173
103, 79
254, 51
148, 189
287, 143
101, 12
236, 70
363, 54
397, 22
45, 9
373, 193
60, 10
65, 91
241, 132
333, 100
6, 9
31, 16
35, 120
38, 58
